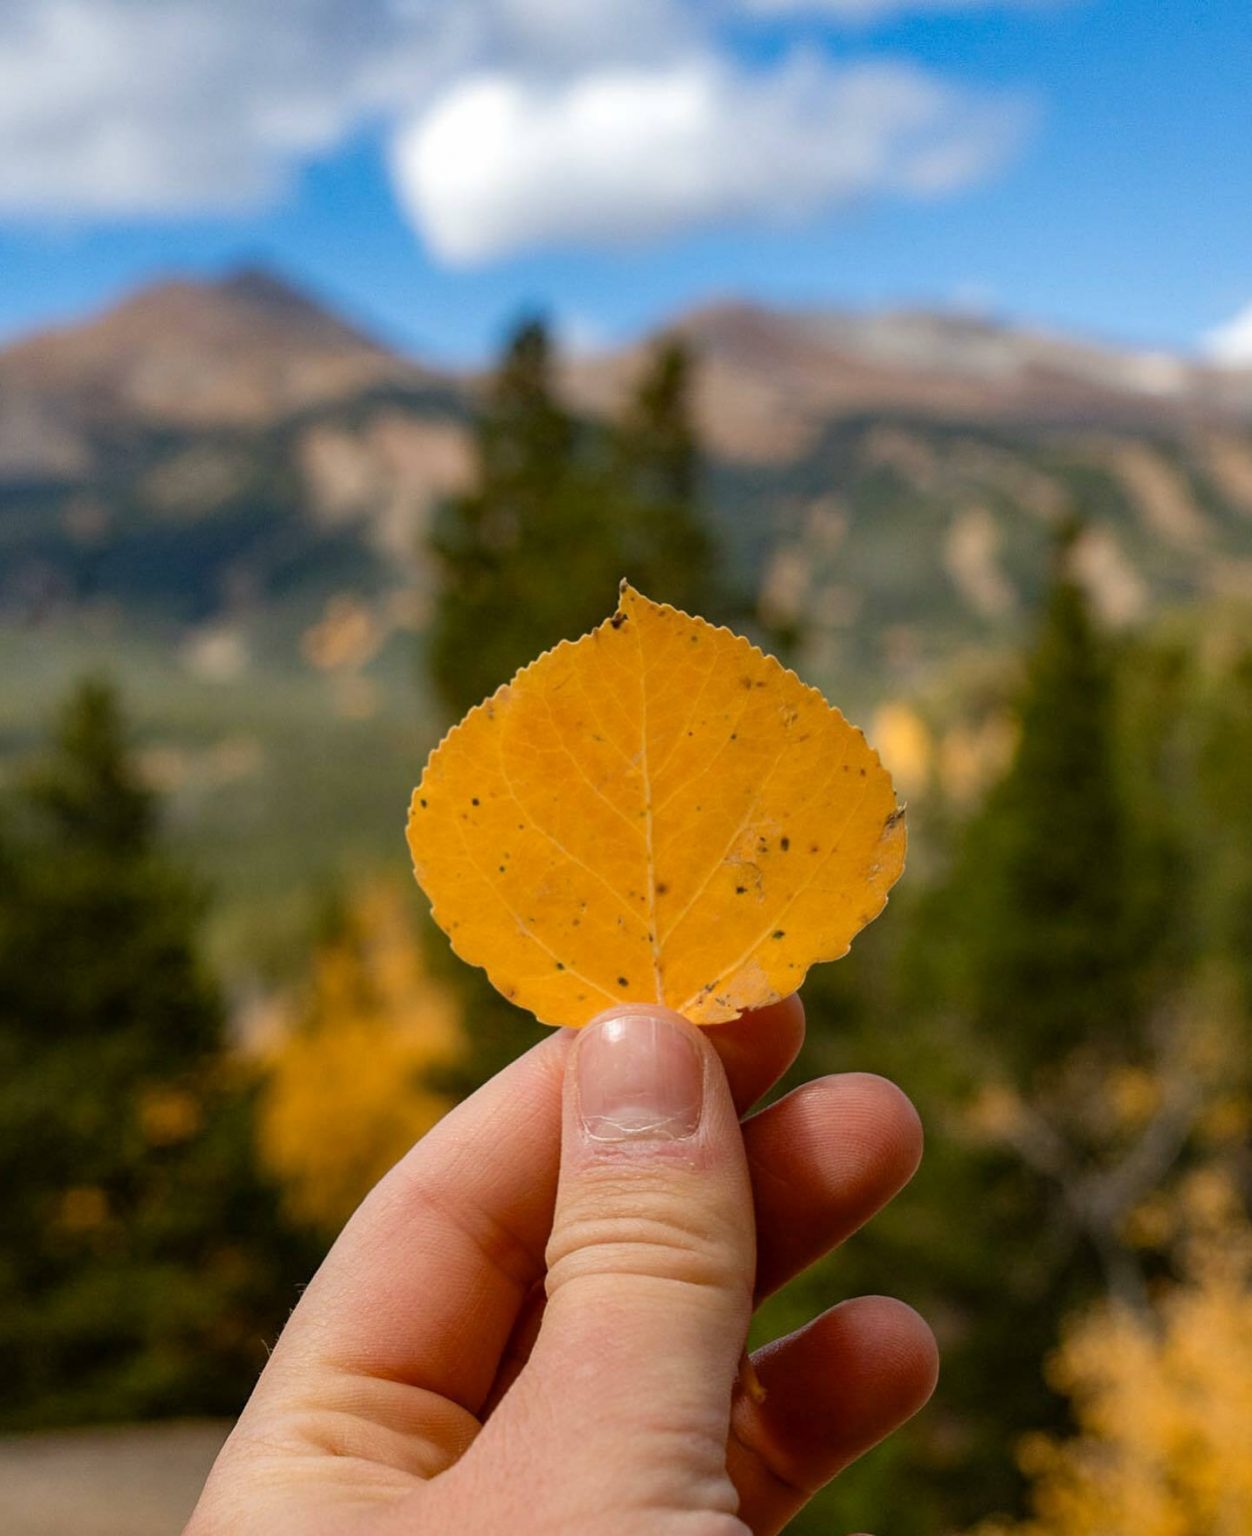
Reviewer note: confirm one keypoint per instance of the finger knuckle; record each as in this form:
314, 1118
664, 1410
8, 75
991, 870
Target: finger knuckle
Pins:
611, 1230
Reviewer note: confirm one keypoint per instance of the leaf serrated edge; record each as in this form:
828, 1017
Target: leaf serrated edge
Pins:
629, 595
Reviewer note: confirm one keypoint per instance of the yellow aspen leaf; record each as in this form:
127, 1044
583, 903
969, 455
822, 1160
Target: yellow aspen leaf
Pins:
658, 813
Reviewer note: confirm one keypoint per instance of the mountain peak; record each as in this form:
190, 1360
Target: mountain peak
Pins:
279, 300
771, 379
257, 284
243, 349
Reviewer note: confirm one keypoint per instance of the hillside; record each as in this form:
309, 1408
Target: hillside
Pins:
229, 453
207, 449
772, 379
222, 490
245, 351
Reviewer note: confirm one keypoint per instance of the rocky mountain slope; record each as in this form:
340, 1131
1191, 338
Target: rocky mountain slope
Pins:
771, 379
242, 352
230, 458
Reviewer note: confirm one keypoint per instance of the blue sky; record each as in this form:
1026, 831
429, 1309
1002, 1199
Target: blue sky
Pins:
435, 166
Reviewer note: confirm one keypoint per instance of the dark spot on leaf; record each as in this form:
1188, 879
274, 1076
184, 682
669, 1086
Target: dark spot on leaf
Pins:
500, 867
741, 890
560, 965
622, 982
779, 933
662, 889
862, 772
813, 848
422, 803
618, 620
474, 800
784, 843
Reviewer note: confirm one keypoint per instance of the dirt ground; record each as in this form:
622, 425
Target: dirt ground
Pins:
105, 1482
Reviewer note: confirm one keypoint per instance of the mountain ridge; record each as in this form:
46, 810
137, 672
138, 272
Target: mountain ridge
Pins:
779, 373
252, 346
242, 350
218, 451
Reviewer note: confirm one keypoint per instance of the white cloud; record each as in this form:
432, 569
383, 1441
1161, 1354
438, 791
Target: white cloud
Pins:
120, 108
500, 163
113, 107
513, 123
1230, 345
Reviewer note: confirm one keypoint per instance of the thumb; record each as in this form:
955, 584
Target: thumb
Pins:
652, 1256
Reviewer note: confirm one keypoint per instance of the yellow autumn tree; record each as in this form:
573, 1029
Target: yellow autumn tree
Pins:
346, 1090
1163, 1400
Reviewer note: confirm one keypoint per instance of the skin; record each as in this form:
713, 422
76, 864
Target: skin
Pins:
527, 1328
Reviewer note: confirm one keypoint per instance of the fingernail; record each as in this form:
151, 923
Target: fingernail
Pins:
640, 1078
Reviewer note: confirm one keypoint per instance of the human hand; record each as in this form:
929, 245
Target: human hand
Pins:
534, 1323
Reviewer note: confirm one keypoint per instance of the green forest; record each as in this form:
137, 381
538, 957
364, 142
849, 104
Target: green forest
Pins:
1062, 984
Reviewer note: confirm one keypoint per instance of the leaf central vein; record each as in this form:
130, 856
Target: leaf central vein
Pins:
653, 938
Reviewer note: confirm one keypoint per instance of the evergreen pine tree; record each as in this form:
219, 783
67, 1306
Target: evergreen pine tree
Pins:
1052, 968
1035, 983
140, 1271
508, 550
560, 511
1226, 751
667, 547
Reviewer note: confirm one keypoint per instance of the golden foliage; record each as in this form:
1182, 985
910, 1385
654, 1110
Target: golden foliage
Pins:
1163, 1402
83, 1209
347, 637
657, 812
345, 1091
905, 744
168, 1116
